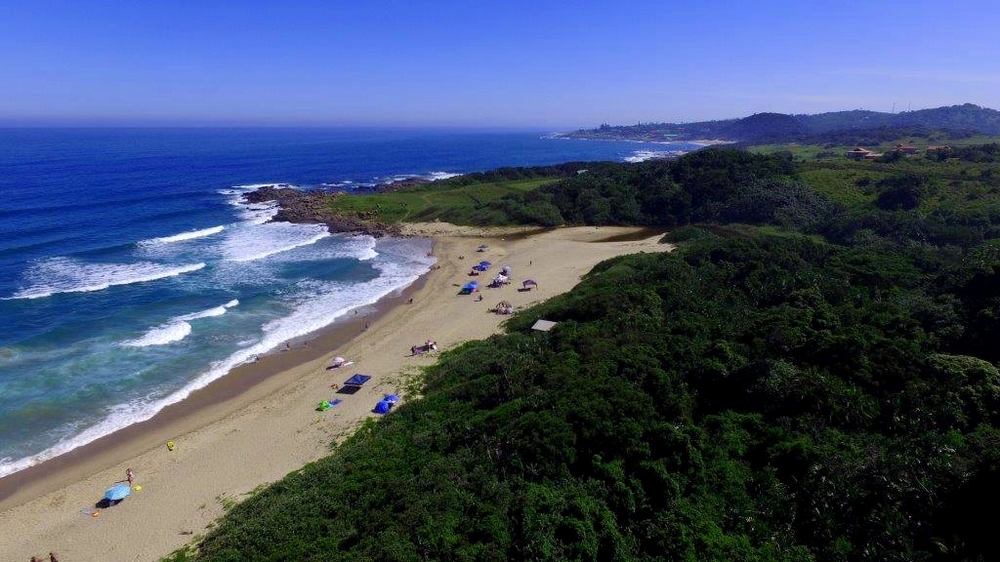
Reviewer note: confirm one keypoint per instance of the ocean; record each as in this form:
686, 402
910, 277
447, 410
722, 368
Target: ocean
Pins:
131, 273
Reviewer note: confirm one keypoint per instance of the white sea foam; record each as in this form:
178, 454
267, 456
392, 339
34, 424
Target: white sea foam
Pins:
190, 235
254, 242
323, 303
435, 176
643, 155
354, 247
68, 275
177, 328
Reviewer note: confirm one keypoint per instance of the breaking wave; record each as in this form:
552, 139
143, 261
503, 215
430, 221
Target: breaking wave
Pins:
190, 235
68, 275
178, 328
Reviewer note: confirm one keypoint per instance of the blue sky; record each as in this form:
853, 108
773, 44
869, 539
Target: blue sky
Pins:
485, 64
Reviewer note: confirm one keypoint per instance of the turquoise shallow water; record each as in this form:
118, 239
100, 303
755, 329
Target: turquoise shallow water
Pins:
132, 274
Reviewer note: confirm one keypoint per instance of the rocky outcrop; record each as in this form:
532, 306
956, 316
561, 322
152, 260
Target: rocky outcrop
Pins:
313, 207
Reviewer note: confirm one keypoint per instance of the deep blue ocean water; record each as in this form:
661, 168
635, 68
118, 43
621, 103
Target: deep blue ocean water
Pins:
131, 273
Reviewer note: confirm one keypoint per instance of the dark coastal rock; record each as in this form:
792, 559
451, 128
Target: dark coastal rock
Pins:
312, 207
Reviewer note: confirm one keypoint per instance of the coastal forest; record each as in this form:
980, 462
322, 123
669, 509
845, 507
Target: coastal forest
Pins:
810, 376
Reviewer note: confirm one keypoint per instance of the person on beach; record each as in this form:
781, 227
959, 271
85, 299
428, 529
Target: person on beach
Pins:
53, 557
129, 476
409, 301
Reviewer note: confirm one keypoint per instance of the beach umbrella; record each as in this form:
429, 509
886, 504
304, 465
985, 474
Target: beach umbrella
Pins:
528, 282
117, 492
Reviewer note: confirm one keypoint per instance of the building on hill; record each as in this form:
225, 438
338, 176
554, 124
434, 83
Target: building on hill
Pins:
905, 149
859, 153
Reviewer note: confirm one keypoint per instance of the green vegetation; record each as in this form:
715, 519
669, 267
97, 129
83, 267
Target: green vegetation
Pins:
453, 203
810, 376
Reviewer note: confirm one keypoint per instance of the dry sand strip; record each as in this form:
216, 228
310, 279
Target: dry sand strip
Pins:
262, 433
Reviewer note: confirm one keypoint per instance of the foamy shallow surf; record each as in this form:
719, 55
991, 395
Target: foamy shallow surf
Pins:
644, 155
69, 275
315, 305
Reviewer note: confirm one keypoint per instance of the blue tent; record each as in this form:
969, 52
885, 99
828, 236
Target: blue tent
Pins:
470, 287
391, 398
358, 379
117, 492
382, 407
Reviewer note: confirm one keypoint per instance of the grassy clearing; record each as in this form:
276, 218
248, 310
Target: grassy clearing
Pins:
426, 202
835, 152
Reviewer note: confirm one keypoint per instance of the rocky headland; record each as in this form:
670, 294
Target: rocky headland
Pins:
313, 207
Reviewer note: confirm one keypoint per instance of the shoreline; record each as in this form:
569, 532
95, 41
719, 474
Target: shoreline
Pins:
212, 402
248, 435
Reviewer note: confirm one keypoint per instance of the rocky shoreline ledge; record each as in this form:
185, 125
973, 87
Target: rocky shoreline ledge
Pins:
312, 207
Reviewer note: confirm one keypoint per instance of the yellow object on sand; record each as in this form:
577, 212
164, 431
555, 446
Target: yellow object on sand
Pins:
138, 488
170, 445
96, 514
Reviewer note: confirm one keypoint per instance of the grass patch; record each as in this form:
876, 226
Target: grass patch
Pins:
456, 203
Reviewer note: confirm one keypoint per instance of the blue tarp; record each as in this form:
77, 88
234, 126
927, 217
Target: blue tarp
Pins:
486, 263
327, 404
358, 379
382, 407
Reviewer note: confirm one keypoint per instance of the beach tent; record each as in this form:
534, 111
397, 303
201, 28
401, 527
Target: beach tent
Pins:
357, 379
391, 398
469, 288
505, 270
529, 283
354, 383
117, 492
382, 407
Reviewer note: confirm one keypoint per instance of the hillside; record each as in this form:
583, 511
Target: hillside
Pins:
777, 127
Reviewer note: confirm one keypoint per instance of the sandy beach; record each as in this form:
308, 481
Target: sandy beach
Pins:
259, 423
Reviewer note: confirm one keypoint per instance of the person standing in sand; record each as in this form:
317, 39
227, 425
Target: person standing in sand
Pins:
129, 476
